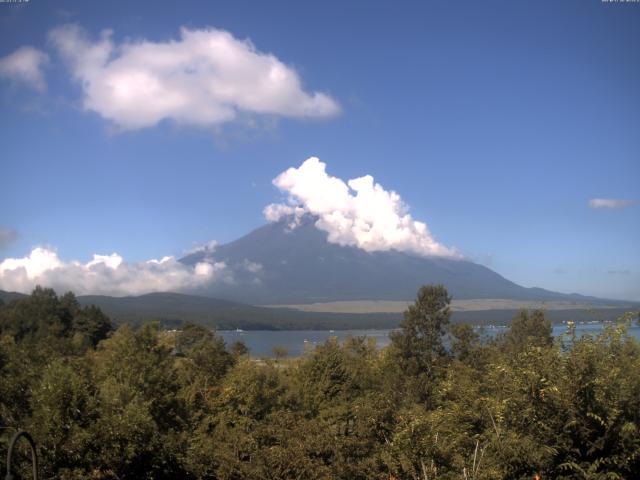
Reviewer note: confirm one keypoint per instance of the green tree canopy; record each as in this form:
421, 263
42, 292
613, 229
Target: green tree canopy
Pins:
418, 345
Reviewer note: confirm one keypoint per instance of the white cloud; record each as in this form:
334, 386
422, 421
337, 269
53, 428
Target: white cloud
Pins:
276, 211
39, 261
610, 203
25, 65
204, 78
112, 261
252, 267
208, 247
359, 213
106, 274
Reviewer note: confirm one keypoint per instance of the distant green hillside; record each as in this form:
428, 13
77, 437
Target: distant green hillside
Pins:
174, 308
7, 297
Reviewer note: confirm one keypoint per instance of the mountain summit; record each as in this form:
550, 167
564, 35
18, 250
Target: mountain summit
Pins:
278, 264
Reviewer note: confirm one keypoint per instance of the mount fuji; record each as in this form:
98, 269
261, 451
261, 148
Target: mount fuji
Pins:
278, 264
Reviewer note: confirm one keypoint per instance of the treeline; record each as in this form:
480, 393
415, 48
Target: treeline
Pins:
139, 403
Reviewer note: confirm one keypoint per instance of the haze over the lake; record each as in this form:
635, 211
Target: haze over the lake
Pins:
137, 133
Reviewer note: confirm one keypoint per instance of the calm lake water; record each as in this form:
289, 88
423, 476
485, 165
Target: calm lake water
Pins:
261, 342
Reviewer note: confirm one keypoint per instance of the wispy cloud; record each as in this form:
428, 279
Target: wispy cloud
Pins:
7, 237
485, 258
208, 247
619, 272
610, 203
107, 274
25, 66
204, 78
358, 212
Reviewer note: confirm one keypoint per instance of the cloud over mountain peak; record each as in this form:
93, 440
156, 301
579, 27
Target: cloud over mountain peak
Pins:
358, 212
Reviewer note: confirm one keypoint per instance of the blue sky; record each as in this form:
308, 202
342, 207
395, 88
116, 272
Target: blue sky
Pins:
496, 122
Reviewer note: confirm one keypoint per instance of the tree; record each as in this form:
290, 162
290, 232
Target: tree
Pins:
63, 406
280, 352
92, 324
418, 345
203, 362
238, 349
130, 407
43, 316
138, 406
37, 316
529, 329
464, 341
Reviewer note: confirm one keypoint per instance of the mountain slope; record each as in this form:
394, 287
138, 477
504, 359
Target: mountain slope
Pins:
301, 266
7, 297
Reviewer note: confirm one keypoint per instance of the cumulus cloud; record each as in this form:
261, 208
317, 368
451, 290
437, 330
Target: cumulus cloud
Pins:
25, 66
106, 274
208, 247
358, 213
204, 78
276, 211
7, 237
610, 203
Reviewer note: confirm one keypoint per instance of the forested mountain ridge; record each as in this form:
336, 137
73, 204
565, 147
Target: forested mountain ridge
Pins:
171, 309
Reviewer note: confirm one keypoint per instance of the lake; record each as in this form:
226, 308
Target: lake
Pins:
261, 342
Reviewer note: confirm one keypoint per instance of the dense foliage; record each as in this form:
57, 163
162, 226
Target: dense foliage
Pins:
438, 403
